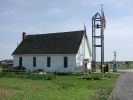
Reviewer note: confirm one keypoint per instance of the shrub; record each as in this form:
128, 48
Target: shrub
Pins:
48, 76
19, 69
93, 76
107, 75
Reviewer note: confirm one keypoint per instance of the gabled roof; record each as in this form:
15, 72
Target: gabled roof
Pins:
53, 43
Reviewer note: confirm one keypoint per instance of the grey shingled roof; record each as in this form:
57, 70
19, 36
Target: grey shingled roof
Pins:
53, 43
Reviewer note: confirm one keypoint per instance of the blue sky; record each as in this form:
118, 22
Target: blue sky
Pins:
46, 16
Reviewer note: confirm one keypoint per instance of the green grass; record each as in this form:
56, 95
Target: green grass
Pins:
0, 68
62, 88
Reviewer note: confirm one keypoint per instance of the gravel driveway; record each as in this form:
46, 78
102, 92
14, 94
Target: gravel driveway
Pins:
124, 87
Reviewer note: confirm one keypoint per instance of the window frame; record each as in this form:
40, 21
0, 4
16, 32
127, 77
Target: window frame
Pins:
34, 61
65, 62
20, 61
48, 61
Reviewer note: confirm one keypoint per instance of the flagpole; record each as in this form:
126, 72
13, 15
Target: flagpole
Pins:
102, 39
101, 9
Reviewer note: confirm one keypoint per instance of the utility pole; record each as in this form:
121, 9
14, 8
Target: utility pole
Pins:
114, 56
114, 63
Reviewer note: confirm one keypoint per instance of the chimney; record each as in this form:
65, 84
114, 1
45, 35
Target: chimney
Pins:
23, 35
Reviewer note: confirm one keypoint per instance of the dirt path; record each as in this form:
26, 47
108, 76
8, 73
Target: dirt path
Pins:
124, 87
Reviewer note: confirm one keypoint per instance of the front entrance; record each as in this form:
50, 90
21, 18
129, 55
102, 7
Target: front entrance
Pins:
85, 66
86, 61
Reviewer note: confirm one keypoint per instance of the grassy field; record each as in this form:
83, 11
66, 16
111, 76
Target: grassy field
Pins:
119, 64
62, 88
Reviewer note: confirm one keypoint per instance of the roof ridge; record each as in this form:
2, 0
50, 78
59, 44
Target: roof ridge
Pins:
56, 33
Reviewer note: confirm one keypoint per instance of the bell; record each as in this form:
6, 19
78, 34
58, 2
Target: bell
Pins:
97, 26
